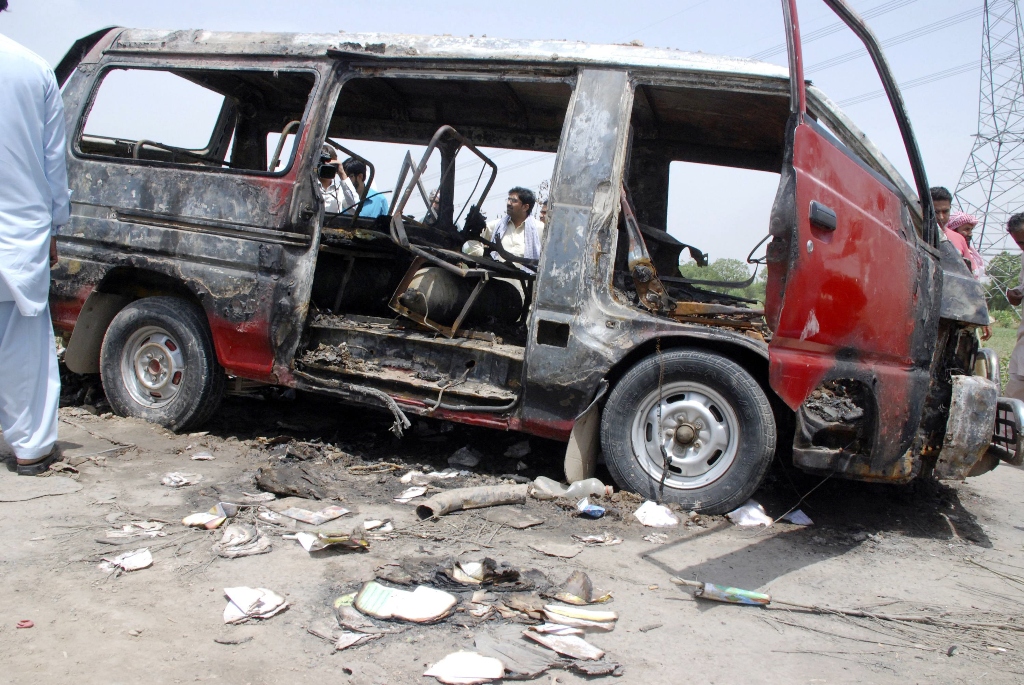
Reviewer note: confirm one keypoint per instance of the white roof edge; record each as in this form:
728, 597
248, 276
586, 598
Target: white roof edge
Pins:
388, 45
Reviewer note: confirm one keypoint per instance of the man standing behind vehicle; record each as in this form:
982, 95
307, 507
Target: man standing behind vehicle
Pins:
518, 232
354, 172
1015, 372
34, 199
942, 201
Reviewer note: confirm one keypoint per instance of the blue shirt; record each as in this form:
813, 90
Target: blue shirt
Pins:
376, 204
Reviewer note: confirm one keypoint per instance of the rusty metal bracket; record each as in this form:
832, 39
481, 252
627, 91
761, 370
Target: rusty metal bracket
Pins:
645, 277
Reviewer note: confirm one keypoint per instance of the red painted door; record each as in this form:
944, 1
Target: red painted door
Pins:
845, 280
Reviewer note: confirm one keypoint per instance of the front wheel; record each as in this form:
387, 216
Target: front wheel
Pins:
158, 363
701, 415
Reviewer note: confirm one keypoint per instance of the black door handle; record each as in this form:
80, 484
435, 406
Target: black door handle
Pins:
822, 216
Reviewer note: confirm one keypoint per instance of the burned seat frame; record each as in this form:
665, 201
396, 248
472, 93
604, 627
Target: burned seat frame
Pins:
456, 262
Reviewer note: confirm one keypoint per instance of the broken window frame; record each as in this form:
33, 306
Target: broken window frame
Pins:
171, 67
737, 84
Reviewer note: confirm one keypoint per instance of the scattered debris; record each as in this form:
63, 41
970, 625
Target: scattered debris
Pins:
797, 518
384, 526
569, 645
422, 605
557, 629
129, 561
315, 518
213, 518
466, 456
605, 539
486, 571
649, 628
341, 639
512, 517
350, 619
202, 456
175, 479
472, 498
241, 540
411, 494
719, 593
466, 668
656, 515
521, 660
589, 510
656, 538
131, 532
420, 478
245, 603
587, 619
315, 542
554, 549
750, 514
579, 590
25, 623
232, 640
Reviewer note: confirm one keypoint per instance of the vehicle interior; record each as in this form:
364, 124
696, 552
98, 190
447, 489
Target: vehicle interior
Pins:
719, 127
405, 291
399, 286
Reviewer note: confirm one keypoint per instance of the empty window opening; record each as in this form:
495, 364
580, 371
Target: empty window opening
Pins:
222, 119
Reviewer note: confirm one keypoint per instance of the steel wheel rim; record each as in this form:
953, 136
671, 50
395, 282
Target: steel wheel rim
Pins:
716, 429
152, 366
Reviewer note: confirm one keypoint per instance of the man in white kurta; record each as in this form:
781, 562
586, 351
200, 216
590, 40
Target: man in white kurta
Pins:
517, 231
34, 199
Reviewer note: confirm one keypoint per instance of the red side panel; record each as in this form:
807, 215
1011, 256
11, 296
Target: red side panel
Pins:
850, 293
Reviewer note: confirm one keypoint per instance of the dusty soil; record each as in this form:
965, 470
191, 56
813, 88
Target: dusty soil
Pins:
894, 550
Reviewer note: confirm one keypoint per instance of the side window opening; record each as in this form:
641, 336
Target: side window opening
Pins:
485, 135
221, 119
687, 145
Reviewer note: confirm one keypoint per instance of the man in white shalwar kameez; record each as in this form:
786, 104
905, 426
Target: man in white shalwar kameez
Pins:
34, 199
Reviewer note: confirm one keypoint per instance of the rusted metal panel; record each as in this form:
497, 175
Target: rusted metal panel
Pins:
969, 427
854, 303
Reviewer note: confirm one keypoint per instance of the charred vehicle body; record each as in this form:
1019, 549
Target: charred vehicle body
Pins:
186, 266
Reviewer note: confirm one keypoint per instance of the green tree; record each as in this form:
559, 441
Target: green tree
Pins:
731, 270
1004, 270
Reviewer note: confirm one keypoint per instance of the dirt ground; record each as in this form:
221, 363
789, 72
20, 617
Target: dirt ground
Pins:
953, 553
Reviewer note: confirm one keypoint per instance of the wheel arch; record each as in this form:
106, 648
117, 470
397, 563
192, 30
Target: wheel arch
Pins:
749, 356
119, 287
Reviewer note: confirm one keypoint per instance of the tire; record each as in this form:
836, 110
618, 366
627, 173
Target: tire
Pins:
158, 363
725, 447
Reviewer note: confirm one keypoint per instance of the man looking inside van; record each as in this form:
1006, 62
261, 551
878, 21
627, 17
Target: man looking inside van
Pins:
354, 171
518, 232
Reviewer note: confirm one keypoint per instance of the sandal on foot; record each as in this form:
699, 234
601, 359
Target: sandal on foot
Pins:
34, 468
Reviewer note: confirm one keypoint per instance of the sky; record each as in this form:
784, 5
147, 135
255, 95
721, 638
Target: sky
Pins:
723, 211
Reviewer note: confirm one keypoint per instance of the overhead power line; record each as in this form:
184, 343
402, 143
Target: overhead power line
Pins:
831, 29
926, 30
924, 80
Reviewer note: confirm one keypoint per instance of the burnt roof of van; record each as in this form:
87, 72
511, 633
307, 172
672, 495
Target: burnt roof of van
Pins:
401, 46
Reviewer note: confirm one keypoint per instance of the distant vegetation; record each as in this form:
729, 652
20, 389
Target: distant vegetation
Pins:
733, 270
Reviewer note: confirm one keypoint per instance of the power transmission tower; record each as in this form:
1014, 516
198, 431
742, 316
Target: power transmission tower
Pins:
992, 183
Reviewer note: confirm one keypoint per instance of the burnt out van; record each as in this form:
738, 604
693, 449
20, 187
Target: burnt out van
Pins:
195, 265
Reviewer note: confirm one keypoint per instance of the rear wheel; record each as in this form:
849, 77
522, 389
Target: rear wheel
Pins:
700, 414
158, 363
